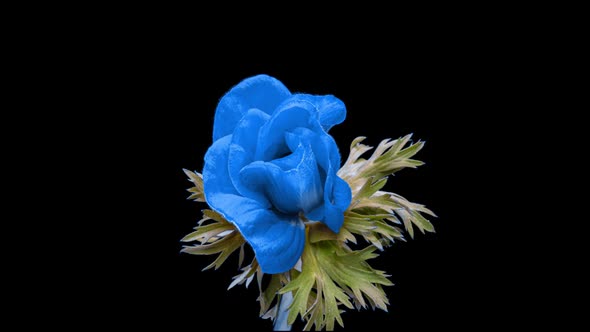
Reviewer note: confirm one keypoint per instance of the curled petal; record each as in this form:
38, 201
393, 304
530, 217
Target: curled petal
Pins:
262, 92
291, 183
337, 198
336, 201
337, 193
290, 115
332, 110
243, 149
324, 147
215, 175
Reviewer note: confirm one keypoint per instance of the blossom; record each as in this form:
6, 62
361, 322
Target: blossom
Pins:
273, 165
271, 178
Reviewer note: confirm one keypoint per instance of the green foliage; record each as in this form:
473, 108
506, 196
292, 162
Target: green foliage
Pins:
372, 207
332, 274
218, 237
196, 191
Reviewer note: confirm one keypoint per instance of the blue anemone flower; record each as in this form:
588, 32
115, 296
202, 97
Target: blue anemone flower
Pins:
273, 161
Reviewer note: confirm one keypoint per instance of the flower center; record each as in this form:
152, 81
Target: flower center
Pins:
292, 184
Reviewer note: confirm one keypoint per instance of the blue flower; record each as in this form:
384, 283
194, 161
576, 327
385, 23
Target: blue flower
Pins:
272, 160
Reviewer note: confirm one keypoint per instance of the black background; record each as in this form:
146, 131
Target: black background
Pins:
161, 103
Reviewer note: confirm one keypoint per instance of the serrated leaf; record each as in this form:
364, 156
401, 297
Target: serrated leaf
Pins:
204, 233
241, 256
389, 157
224, 246
335, 274
301, 287
218, 237
320, 232
211, 214
246, 276
267, 296
197, 191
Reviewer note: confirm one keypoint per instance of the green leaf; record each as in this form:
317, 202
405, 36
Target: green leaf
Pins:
267, 296
246, 276
331, 275
197, 191
204, 233
219, 237
320, 232
224, 246
388, 158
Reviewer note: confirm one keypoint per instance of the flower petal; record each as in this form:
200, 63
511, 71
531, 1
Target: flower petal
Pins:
323, 145
337, 198
292, 184
332, 110
262, 92
277, 240
337, 193
215, 175
243, 149
288, 116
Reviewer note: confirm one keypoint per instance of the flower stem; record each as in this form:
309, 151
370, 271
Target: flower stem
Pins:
283, 312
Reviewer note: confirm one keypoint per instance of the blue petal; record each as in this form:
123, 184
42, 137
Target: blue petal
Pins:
288, 116
337, 197
332, 110
277, 240
292, 183
262, 92
323, 145
215, 175
337, 193
243, 149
